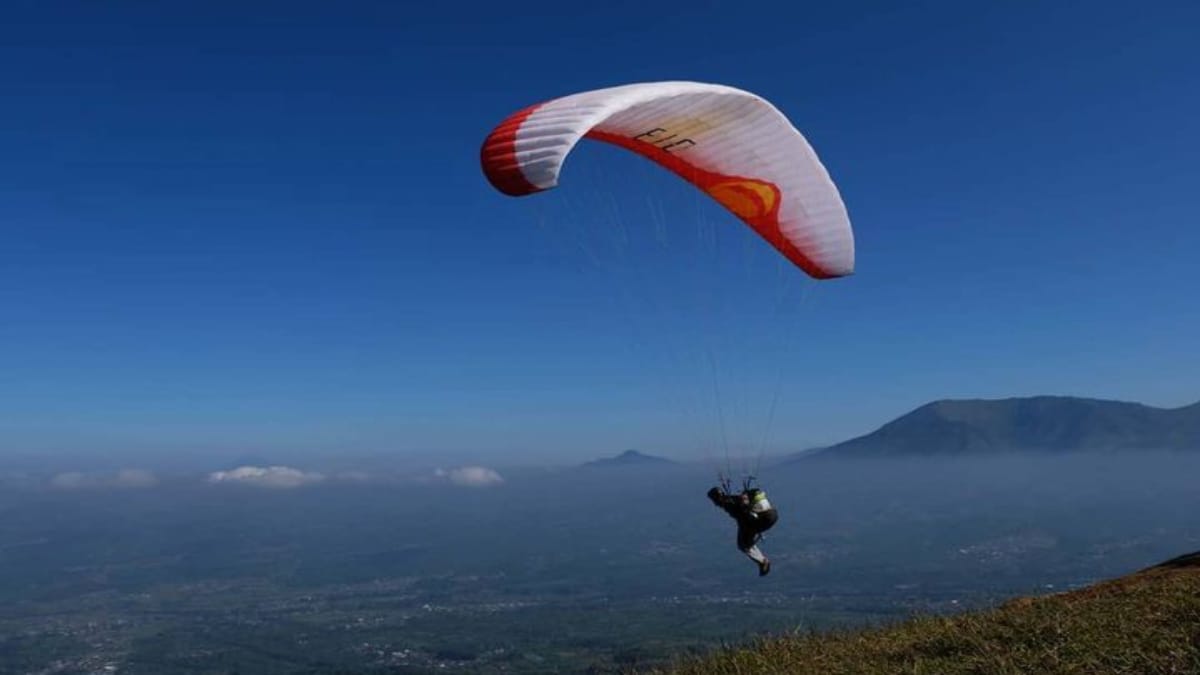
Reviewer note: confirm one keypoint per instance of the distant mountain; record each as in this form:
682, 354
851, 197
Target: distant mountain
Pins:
630, 458
1040, 424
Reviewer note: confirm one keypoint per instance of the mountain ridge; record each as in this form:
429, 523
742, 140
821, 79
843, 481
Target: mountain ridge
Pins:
1033, 424
629, 458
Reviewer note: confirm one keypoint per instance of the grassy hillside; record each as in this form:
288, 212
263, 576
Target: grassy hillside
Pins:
1141, 624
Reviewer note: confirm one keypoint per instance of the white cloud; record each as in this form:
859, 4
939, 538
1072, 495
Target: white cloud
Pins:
470, 476
267, 476
72, 480
125, 478
17, 479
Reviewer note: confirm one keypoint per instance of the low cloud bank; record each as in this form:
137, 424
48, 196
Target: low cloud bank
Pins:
86, 480
470, 476
280, 477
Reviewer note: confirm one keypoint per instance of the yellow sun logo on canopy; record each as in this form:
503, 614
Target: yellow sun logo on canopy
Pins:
745, 197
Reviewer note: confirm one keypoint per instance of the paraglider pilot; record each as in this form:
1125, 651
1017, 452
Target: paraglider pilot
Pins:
754, 515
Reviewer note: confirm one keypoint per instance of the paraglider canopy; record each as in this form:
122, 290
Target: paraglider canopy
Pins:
733, 145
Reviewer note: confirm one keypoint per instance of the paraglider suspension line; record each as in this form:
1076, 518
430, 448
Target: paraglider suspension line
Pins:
712, 364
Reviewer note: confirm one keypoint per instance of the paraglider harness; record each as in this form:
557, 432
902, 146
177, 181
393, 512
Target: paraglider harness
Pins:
755, 495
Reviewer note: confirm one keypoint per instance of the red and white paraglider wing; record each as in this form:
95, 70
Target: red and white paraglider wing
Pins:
731, 144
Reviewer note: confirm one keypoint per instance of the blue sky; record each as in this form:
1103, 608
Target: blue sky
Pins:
232, 227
